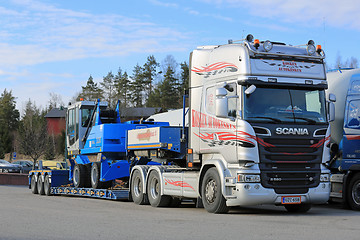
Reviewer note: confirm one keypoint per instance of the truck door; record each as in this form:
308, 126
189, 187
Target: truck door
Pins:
218, 134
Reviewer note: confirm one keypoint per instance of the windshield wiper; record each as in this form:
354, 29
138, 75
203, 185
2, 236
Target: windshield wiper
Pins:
271, 118
308, 120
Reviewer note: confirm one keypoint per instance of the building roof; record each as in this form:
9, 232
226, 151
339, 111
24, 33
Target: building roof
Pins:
56, 113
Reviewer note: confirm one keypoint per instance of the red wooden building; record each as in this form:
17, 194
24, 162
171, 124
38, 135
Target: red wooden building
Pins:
56, 122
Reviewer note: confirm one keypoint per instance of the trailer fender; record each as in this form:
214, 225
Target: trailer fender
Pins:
223, 172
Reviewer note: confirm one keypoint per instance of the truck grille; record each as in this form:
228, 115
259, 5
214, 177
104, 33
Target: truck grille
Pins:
290, 165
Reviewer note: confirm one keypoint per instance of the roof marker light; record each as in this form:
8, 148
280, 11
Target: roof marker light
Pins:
318, 49
256, 43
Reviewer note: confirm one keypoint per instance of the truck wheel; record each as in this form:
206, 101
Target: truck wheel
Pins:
80, 176
40, 186
154, 191
95, 176
354, 192
33, 185
213, 200
47, 185
298, 208
137, 194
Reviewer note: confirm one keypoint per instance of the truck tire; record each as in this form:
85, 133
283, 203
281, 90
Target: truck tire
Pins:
154, 191
211, 194
33, 185
137, 194
354, 192
47, 185
40, 186
95, 176
80, 176
298, 208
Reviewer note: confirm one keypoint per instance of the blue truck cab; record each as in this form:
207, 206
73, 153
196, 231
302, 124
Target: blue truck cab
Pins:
345, 136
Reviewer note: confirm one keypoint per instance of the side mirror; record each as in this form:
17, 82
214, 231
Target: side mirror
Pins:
331, 111
221, 103
332, 97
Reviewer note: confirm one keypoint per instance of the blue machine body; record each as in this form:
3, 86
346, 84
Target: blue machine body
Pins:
107, 143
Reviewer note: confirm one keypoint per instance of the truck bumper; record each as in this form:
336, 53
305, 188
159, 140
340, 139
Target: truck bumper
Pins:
246, 194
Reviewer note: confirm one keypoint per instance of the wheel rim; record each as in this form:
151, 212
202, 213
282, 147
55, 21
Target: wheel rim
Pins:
355, 192
76, 176
137, 186
33, 182
210, 191
94, 175
154, 188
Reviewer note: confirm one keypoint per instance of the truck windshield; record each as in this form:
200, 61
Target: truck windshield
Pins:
276, 105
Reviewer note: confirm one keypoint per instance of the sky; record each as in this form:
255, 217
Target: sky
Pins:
54, 46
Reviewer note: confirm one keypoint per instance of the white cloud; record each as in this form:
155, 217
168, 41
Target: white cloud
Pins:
333, 12
34, 32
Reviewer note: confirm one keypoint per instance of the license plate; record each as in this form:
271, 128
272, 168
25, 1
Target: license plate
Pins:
291, 200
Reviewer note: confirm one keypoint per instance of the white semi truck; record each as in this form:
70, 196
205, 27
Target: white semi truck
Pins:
257, 131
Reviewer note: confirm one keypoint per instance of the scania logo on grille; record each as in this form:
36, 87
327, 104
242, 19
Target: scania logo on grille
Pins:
293, 131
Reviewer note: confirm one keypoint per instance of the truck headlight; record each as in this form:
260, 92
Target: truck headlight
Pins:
247, 178
324, 177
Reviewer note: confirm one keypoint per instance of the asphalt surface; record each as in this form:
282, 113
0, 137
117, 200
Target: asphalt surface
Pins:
27, 216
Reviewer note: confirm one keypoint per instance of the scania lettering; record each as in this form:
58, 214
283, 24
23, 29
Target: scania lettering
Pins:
294, 131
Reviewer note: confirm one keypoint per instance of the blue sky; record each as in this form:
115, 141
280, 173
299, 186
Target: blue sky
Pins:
53, 46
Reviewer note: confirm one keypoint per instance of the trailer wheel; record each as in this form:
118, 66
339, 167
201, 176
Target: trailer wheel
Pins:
40, 186
33, 185
47, 185
354, 192
137, 194
298, 208
213, 200
154, 191
80, 176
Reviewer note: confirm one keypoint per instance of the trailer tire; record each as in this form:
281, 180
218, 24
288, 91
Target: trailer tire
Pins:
154, 191
211, 194
137, 194
33, 185
298, 208
47, 185
80, 176
40, 186
354, 192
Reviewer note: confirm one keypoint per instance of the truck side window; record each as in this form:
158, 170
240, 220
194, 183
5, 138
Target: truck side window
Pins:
353, 114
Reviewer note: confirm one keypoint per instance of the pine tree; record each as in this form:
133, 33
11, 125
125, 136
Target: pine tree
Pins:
108, 89
122, 88
148, 73
91, 91
137, 87
9, 118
